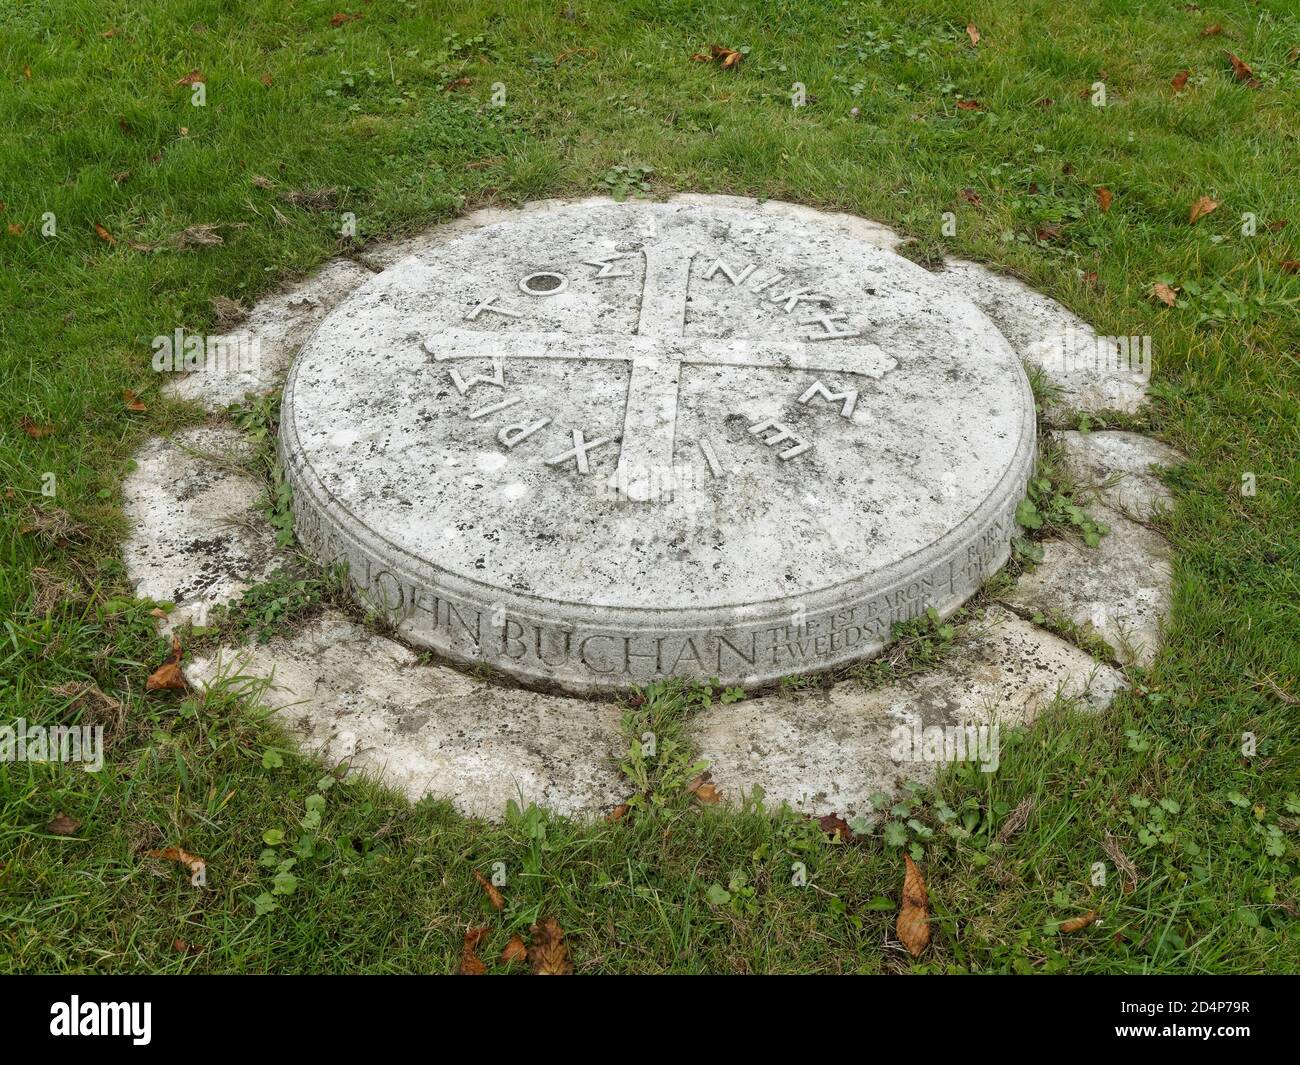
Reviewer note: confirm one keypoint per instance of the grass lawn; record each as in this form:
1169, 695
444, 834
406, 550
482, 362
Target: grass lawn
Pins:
391, 107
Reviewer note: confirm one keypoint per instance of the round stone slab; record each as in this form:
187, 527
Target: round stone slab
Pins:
597, 444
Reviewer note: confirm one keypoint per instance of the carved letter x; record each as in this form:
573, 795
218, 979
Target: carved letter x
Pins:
657, 352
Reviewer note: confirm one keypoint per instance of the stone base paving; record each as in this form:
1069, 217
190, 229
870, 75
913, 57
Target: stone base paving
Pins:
352, 696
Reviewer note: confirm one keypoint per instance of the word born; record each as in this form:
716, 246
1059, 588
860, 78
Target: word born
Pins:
657, 352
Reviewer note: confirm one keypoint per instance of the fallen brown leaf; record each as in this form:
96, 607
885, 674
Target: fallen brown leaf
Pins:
340, 18
192, 78
32, 429
1164, 293
969, 105
168, 676
197, 866
15, 229
181, 946
470, 963
267, 80
110, 33
1291, 266
971, 196
494, 896
1049, 231
1201, 208
1212, 30
728, 58
913, 925
132, 402
704, 790
515, 951
1104, 197
104, 234
834, 825
63, 825
619, 812
1078, 923
549, 953
972, 31
1180, 80
459, 83
1242, 72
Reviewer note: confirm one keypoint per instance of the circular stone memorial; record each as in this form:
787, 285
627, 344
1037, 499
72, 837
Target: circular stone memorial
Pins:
597, 444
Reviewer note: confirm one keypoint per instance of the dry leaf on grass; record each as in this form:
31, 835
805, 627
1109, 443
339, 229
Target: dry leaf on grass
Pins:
971, 196
168, 676
1242, 72
913, 926
515, 951
1212, 30
1180, 80
192, 78
834, 825
549, 953
470, 963
1104, 197
132, 402
33, 429
1164, 293
1201, 208
1291, 266
197, 866
972, 31
1076, 924
619, 812
62, 825
969, 105
494, 896
342, 17
104, 234
704, 790
727, 58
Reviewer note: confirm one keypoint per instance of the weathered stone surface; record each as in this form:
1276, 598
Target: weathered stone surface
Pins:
830, 751
266, 342
1088, 372
596, 444
198, 538
1121, 589
1115, 469
351, 695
